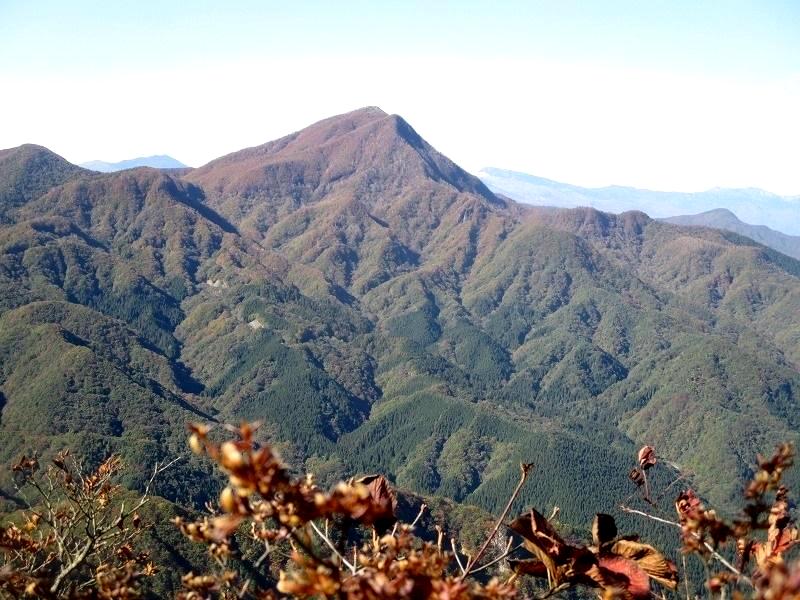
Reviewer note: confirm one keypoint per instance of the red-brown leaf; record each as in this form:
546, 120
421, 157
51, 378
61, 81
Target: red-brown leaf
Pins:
616, 572
650, 560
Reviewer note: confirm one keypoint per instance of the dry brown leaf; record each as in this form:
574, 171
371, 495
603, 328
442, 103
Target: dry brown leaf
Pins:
223, 526
781, 535
541, 539
647, 457
529, 566
650, 560
604, 529
687, 503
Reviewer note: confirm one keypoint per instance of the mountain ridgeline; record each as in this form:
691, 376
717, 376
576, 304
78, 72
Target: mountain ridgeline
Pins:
722, 218
753, 205
160, 161
380, 309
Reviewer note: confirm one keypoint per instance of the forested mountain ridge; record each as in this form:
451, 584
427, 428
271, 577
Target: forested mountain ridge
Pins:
722, 218
381, 310
28, 172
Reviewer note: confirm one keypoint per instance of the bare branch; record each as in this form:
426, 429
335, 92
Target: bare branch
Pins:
685, 576
419, 515
76, 562
263, 557
458, 560
505, 553
716, 555
332, 546
525, 468
554, 591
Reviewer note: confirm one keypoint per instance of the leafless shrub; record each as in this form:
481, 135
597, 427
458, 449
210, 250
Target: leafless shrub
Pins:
76, 537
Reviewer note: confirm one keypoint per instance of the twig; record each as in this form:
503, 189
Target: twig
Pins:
554, 591
458, 560
263, 557
716, 555
554, 514
507, 551
649, 516
332, 546
419, 515
439, 538
157, 470
685, 575
296, 540
77, 561
646, 488
680, 477
525, 468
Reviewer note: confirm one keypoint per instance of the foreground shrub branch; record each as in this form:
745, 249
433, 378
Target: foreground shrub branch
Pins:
388, 560
759, 536
76, 538
272, 535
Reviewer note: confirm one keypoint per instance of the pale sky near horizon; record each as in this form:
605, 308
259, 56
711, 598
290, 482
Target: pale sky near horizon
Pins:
680, 95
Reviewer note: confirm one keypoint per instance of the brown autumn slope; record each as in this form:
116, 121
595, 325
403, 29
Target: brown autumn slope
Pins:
358, 186
342, 149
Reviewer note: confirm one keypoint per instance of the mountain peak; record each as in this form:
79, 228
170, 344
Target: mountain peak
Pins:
355, 150
28, 151
157, 161
722, 212
28, 171
723, 218
370, 110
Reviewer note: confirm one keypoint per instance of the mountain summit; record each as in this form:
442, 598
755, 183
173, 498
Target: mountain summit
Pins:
160, 161
27, 172
341, 151
360, 196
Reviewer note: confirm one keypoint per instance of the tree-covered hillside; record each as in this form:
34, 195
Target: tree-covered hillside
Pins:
381, 310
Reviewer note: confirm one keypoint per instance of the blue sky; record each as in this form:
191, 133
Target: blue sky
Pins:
680, 95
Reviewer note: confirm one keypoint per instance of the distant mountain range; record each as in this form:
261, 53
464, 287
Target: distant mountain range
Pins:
751, 205
160, 161
722, 218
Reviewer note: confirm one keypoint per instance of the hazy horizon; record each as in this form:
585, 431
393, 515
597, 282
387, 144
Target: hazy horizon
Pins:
476, 173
